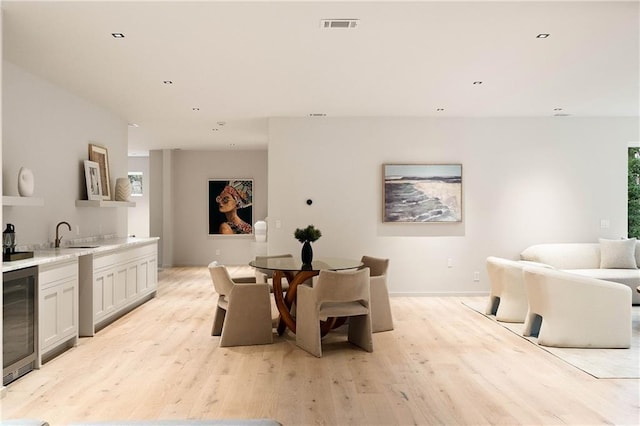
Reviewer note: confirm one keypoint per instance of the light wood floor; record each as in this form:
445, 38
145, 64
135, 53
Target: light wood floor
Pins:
443, 364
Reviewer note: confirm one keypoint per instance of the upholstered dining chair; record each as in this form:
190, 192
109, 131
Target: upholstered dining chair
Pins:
266, 275
334, 294
381, 318
243, 310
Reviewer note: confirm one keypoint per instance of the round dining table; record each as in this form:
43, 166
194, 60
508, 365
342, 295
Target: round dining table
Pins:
296, 273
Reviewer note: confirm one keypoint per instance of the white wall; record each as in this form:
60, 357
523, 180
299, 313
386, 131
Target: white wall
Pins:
138, 223
48, 130
191, 171
525, 181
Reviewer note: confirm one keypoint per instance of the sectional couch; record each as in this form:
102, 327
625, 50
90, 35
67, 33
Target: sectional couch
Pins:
609, 260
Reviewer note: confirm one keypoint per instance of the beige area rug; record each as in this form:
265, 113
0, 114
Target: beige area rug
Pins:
600, 363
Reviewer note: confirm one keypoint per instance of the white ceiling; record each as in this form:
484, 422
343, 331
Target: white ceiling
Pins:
242, 62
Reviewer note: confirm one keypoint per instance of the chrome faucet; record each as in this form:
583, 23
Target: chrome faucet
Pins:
58, 238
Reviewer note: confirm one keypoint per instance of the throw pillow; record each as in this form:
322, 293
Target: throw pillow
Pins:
618, 254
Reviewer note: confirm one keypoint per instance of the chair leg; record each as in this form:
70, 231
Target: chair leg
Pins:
492, 305
360, 332
218, 321
532, 325
381, 319
308, 323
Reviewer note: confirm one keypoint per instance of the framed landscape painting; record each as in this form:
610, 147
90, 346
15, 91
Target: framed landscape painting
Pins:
422, 193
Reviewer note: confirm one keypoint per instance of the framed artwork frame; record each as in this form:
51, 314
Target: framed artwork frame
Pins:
422, 193
100, 155
230, 206
135, 178
93, 181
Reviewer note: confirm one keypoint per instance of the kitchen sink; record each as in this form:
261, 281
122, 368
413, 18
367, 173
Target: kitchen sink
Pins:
82, 247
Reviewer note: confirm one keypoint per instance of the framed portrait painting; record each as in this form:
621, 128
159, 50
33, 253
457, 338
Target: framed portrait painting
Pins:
230, 206
100, 155
422, 193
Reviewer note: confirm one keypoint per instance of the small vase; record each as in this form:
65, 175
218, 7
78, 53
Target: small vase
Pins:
123, 189
25, 182
307, 253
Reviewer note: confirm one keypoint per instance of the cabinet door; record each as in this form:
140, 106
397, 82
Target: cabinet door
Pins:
67, 309
120, 290
147, 275
48, 318
103, 301
132, 281
143, 276
58, 304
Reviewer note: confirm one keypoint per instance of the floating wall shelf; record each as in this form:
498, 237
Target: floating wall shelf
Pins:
104, 203
10, 200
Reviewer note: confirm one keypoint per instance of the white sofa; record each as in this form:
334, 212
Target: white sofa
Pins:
609, 260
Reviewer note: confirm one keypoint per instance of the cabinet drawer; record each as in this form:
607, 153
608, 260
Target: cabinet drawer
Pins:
50, 274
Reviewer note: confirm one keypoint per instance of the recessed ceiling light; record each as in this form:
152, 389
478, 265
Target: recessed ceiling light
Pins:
317, 114
477, 83
168, 82
439, 109
543, 35
133, 125
214, 129
117, 35
557, 109
195, 109
221, 123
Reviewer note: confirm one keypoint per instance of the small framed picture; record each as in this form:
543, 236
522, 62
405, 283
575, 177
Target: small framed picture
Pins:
135, 178
100, 155
92, 177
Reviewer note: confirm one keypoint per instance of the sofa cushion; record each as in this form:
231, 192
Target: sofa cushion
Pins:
564, 255
618, 254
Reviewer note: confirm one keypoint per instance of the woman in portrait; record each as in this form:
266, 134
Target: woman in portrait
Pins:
236, 195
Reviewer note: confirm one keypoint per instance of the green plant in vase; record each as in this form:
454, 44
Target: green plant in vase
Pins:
306, 236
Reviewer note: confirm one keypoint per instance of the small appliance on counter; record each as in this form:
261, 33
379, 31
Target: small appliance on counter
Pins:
9, 252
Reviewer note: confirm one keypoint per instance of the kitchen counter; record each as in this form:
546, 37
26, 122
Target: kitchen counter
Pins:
41, 257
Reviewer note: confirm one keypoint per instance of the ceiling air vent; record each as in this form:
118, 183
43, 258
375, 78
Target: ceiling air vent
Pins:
339, 23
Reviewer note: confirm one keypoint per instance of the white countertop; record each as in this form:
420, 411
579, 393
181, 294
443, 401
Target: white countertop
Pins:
41, 257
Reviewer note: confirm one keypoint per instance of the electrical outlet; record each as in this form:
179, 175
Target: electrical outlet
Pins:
449, 263
476, 276
604, 223
77, 229
217, 252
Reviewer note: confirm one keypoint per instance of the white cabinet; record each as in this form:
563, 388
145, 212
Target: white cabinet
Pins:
114, 283
57, 307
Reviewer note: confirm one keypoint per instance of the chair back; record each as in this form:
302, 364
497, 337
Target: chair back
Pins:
222, 281
377, 266
351, 286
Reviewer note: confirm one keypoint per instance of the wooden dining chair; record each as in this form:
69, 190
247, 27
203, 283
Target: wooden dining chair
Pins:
334, 295
243, 310
381, 318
